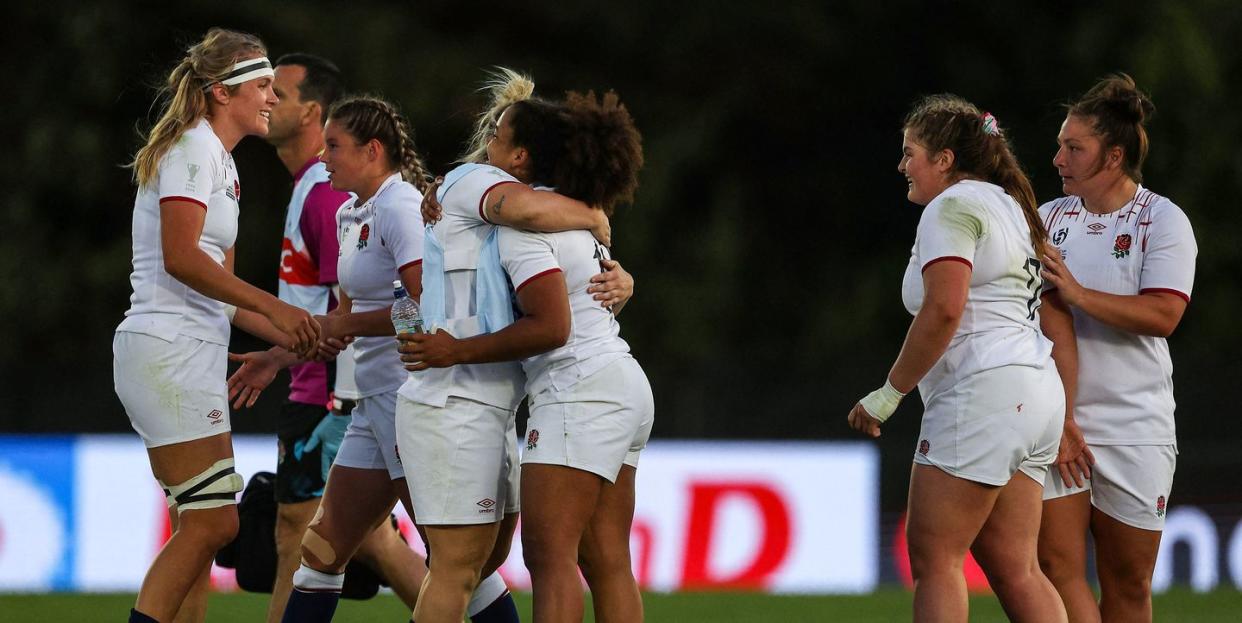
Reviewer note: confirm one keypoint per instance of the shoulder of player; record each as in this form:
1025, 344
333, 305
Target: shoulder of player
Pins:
399, 195
511, 237
960, 200
1160, 208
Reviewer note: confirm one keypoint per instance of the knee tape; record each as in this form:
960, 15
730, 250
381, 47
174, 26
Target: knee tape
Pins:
318, 546
216, 486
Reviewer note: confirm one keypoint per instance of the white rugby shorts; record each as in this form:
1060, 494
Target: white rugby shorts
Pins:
370, 442
598, 425
994, 424
173, 391
461, 461
1131, 484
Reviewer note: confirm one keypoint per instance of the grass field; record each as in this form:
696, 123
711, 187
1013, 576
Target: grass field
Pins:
1178, 606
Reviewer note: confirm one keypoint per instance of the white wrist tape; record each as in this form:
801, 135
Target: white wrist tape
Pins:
230, 311
881, 403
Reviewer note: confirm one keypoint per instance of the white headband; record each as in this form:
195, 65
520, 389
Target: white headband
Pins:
248, 69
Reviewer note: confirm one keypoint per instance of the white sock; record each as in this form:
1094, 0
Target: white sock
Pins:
490, 589
311, 581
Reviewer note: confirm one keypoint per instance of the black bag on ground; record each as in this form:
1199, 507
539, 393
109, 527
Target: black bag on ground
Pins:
253, 553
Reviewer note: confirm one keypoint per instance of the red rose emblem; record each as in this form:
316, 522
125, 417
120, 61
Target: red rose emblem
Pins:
1121, 246
924, 447
363, 234
532, 439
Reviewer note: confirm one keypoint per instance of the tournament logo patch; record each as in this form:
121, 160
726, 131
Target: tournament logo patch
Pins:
1059, 237
363, 235
924, 447
532, 439
1160, 506
1121, 246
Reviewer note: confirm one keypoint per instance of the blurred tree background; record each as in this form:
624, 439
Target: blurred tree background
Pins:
770, 231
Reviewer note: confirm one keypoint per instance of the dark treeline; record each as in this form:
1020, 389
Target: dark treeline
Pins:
770, 229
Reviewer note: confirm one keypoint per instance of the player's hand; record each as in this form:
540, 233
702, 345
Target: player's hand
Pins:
301, 329
1057, 274
431, 208
613, 287
862, 421
257, 371
420, 351
1074, 458
330, 348
602, 230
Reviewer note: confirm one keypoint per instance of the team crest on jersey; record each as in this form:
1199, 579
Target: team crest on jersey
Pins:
924, 447
1121, 246
1059, 237
532, 439
234, 193
1160, 506
363, 235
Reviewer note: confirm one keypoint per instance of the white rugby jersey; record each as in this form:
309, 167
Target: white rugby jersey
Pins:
461, 232
197, 169
594, 338
977, 224
1125, 381
378, 238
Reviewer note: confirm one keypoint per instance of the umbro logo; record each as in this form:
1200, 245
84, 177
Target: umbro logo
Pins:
216, 416
1096, 228
488, 505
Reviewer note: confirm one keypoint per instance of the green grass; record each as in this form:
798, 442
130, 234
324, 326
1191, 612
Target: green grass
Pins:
1178, 606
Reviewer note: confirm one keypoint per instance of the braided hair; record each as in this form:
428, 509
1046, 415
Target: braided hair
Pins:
368, 117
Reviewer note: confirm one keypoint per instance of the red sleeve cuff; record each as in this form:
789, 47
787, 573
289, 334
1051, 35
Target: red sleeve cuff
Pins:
536, 276
409, 264
1177, 293
187, 199
949, 258
482, 212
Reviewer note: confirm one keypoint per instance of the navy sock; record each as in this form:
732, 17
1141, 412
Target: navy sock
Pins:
503, 610
138, 617
310, 607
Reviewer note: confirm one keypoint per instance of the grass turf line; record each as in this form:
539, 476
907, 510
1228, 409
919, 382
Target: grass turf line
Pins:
1176, 606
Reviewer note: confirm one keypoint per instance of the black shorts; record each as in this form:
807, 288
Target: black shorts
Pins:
299, 474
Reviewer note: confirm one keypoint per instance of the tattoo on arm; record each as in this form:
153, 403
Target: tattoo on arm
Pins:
496, 206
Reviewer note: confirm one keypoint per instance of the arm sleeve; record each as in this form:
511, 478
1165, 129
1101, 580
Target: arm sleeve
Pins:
318, 224
949, 229
399, 223
526, 255
187, 172
1169, 252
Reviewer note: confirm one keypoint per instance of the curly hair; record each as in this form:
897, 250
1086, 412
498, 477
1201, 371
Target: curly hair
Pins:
980, 149
369, 117
586, 147
1118, 111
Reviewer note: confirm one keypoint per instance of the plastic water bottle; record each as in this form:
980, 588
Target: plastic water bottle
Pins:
405, 315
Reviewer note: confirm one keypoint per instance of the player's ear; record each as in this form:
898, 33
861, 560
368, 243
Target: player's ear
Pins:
218, 93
